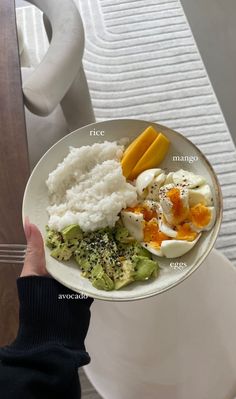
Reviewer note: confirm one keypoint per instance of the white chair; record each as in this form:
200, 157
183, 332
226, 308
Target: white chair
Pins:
56, 92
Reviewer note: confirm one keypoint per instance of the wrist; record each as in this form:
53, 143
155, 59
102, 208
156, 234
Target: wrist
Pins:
45, 318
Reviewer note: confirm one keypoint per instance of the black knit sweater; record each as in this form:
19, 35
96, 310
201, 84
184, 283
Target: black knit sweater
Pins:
43, 361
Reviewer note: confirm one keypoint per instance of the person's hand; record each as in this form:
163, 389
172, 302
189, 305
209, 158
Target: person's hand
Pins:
35, 264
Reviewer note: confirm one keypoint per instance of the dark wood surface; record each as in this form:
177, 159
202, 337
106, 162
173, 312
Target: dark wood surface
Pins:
14, 166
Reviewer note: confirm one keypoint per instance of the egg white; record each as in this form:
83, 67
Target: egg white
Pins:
169, 178
154, 187
167, 206
176, 248
134, 223
146, 179
202, 195
165, 228
188, 178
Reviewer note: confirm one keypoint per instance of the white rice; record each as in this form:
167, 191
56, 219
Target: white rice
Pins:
88, 188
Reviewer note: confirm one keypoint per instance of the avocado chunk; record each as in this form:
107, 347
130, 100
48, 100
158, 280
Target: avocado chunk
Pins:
133, 249
109, 258
126, 275
140, 251
122, 235
98, 248
144, 268
62, 252
122, 283
53, 238
101, 280
73, 231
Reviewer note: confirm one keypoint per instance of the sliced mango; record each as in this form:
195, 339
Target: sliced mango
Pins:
136, 149
152, 156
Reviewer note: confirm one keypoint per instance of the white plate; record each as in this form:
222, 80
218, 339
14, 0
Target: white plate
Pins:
179, 345
36, 201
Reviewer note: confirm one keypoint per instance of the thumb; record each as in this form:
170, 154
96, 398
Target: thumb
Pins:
35, 263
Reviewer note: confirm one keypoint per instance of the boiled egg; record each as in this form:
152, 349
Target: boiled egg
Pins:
187, 178
153, 237
174, 203
176, 248
202, 195
153, 206
202, 217
149, 182
166, 228
183, 231
171, 248
155, 250
135, 218
134, 222
169, 178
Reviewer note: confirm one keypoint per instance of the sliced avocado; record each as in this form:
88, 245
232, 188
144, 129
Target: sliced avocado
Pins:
73, 244
144, 268
84, 264
106, 257
62, 252
132, 249
122, 235
122, 283
72, 231
53, 238
126, 275
83, 259
140, 251
101, 280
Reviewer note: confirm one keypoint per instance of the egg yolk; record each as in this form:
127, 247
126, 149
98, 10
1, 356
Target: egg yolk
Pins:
174, 196
147, 213
184, 232
152, 234
200, 215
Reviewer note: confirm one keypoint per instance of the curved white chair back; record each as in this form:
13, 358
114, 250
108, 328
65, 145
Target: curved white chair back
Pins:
45, 88
56, 92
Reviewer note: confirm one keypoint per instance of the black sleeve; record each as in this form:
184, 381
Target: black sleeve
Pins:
43, 361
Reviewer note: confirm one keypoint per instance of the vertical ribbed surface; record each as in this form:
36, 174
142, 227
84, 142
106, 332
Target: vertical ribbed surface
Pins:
142, 62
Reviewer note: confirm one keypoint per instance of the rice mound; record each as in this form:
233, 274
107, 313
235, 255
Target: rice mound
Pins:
88, 188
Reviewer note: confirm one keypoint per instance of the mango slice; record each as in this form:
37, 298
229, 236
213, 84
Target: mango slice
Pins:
136, 150
152, 156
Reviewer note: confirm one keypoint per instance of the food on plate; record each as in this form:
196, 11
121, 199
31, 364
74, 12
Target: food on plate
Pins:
152, 157
88, 188
168, 220
149, 182
136, 149
109, 258
114, 212
146, 151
